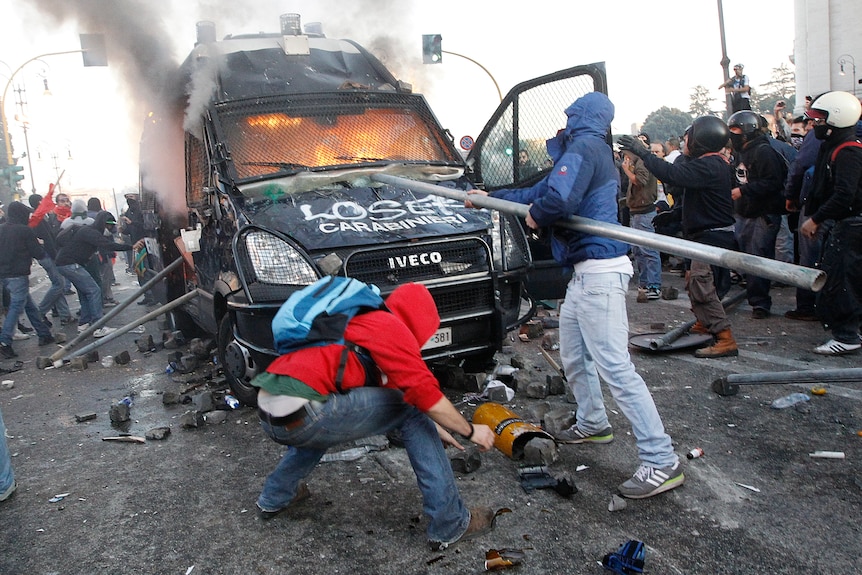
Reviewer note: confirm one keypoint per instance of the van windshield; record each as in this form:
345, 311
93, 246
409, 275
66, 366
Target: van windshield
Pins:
276, 142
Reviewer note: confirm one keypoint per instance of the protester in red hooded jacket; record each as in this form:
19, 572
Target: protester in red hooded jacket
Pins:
300, 407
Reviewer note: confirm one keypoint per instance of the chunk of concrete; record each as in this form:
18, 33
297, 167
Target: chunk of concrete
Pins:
540, 451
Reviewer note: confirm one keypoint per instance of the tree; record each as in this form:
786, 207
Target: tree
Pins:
666, 122
701, 102
781, 86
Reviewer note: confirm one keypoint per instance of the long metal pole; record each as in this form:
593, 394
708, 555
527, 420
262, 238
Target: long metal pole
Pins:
128, 327
725, 61
729, 384
790, 274
123, 305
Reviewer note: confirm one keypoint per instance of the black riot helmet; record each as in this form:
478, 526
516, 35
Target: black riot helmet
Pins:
748, 123
706, 134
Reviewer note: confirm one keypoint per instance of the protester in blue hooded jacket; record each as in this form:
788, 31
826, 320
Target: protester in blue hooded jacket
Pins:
593, 319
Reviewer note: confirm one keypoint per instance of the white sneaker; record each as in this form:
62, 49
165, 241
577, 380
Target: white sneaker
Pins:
83, 327
103, 331
19, 335
835, 347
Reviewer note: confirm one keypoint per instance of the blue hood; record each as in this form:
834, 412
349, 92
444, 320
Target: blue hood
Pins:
589, 115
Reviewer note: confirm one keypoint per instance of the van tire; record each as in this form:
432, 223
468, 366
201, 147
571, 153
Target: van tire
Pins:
241, 389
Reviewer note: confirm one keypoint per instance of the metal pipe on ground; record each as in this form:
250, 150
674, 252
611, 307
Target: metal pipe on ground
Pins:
120, 307
729, 384
126, 328
790, 274
674, 334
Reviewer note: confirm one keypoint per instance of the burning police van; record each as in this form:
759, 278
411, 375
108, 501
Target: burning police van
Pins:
278, 193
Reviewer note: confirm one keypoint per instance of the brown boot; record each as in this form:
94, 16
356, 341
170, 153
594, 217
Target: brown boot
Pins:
481, 522
698, 328
724, 346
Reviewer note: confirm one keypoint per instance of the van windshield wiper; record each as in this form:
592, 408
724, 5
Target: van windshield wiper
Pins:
285, 165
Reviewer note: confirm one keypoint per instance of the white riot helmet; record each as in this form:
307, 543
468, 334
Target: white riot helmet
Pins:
838, 109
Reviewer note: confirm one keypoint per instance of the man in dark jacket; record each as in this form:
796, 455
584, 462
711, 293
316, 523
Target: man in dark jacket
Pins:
44, 230
707, 217
77, 246
759, 201
594, 331
20, 247
835, 204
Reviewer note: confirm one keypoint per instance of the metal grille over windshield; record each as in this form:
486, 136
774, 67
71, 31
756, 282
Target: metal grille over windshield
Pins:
523, 128
279, 136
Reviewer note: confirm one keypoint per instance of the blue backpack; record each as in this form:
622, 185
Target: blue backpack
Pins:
318, 314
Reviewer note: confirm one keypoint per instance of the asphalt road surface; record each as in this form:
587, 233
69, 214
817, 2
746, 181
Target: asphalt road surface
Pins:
756, 502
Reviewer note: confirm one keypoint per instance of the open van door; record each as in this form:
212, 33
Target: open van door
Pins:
510, 151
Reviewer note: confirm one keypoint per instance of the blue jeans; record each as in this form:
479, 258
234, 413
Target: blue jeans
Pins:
359, 413
756, 236
20, 300
647, 260
7, 475
88, 292
54, 296
594, 341
809, 255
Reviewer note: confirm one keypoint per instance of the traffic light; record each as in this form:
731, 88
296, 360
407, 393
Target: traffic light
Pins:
14, 176
11, 176
432, 48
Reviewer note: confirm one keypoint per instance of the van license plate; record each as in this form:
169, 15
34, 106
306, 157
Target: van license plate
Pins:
441, 338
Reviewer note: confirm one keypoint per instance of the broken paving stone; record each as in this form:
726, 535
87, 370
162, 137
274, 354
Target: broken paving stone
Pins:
170, 398
550, 342
203, 401
158, 433
145, 343
497, 394
120, 413
559, 419
188, 363
122, 358
82, 417
537, 390
466, 461
59, 337
216, 417
541, 451
199, 348
42, 362
556, 384
532, 329
617, 503
79, 363
192, 419
93, 356
518, 361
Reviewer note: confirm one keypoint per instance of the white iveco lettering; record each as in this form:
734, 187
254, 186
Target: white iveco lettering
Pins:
414, 260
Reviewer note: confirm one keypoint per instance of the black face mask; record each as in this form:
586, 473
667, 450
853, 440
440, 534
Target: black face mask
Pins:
822, 131
737, 140
796, 140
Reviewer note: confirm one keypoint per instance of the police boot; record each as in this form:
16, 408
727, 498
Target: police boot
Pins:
724, 346
698, 328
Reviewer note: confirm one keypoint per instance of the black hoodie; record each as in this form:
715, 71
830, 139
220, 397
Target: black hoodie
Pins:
82, 242
19, 243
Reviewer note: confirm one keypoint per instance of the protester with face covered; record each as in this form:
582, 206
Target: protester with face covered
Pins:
594, 335
835, 205
20, 248
707, 218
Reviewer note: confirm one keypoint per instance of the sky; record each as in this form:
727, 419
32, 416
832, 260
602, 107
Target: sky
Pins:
89, 127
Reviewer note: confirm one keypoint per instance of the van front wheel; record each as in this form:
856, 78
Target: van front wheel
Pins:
237, 363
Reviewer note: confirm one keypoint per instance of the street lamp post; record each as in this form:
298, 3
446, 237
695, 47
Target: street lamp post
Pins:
6, 90
844, 60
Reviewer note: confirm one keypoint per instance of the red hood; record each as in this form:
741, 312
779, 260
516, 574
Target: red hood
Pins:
413, 304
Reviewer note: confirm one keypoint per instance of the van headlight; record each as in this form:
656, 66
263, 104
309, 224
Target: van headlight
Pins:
265, 258
511, 250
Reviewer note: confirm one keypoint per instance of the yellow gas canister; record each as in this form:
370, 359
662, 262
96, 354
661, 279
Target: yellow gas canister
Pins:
511, 432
